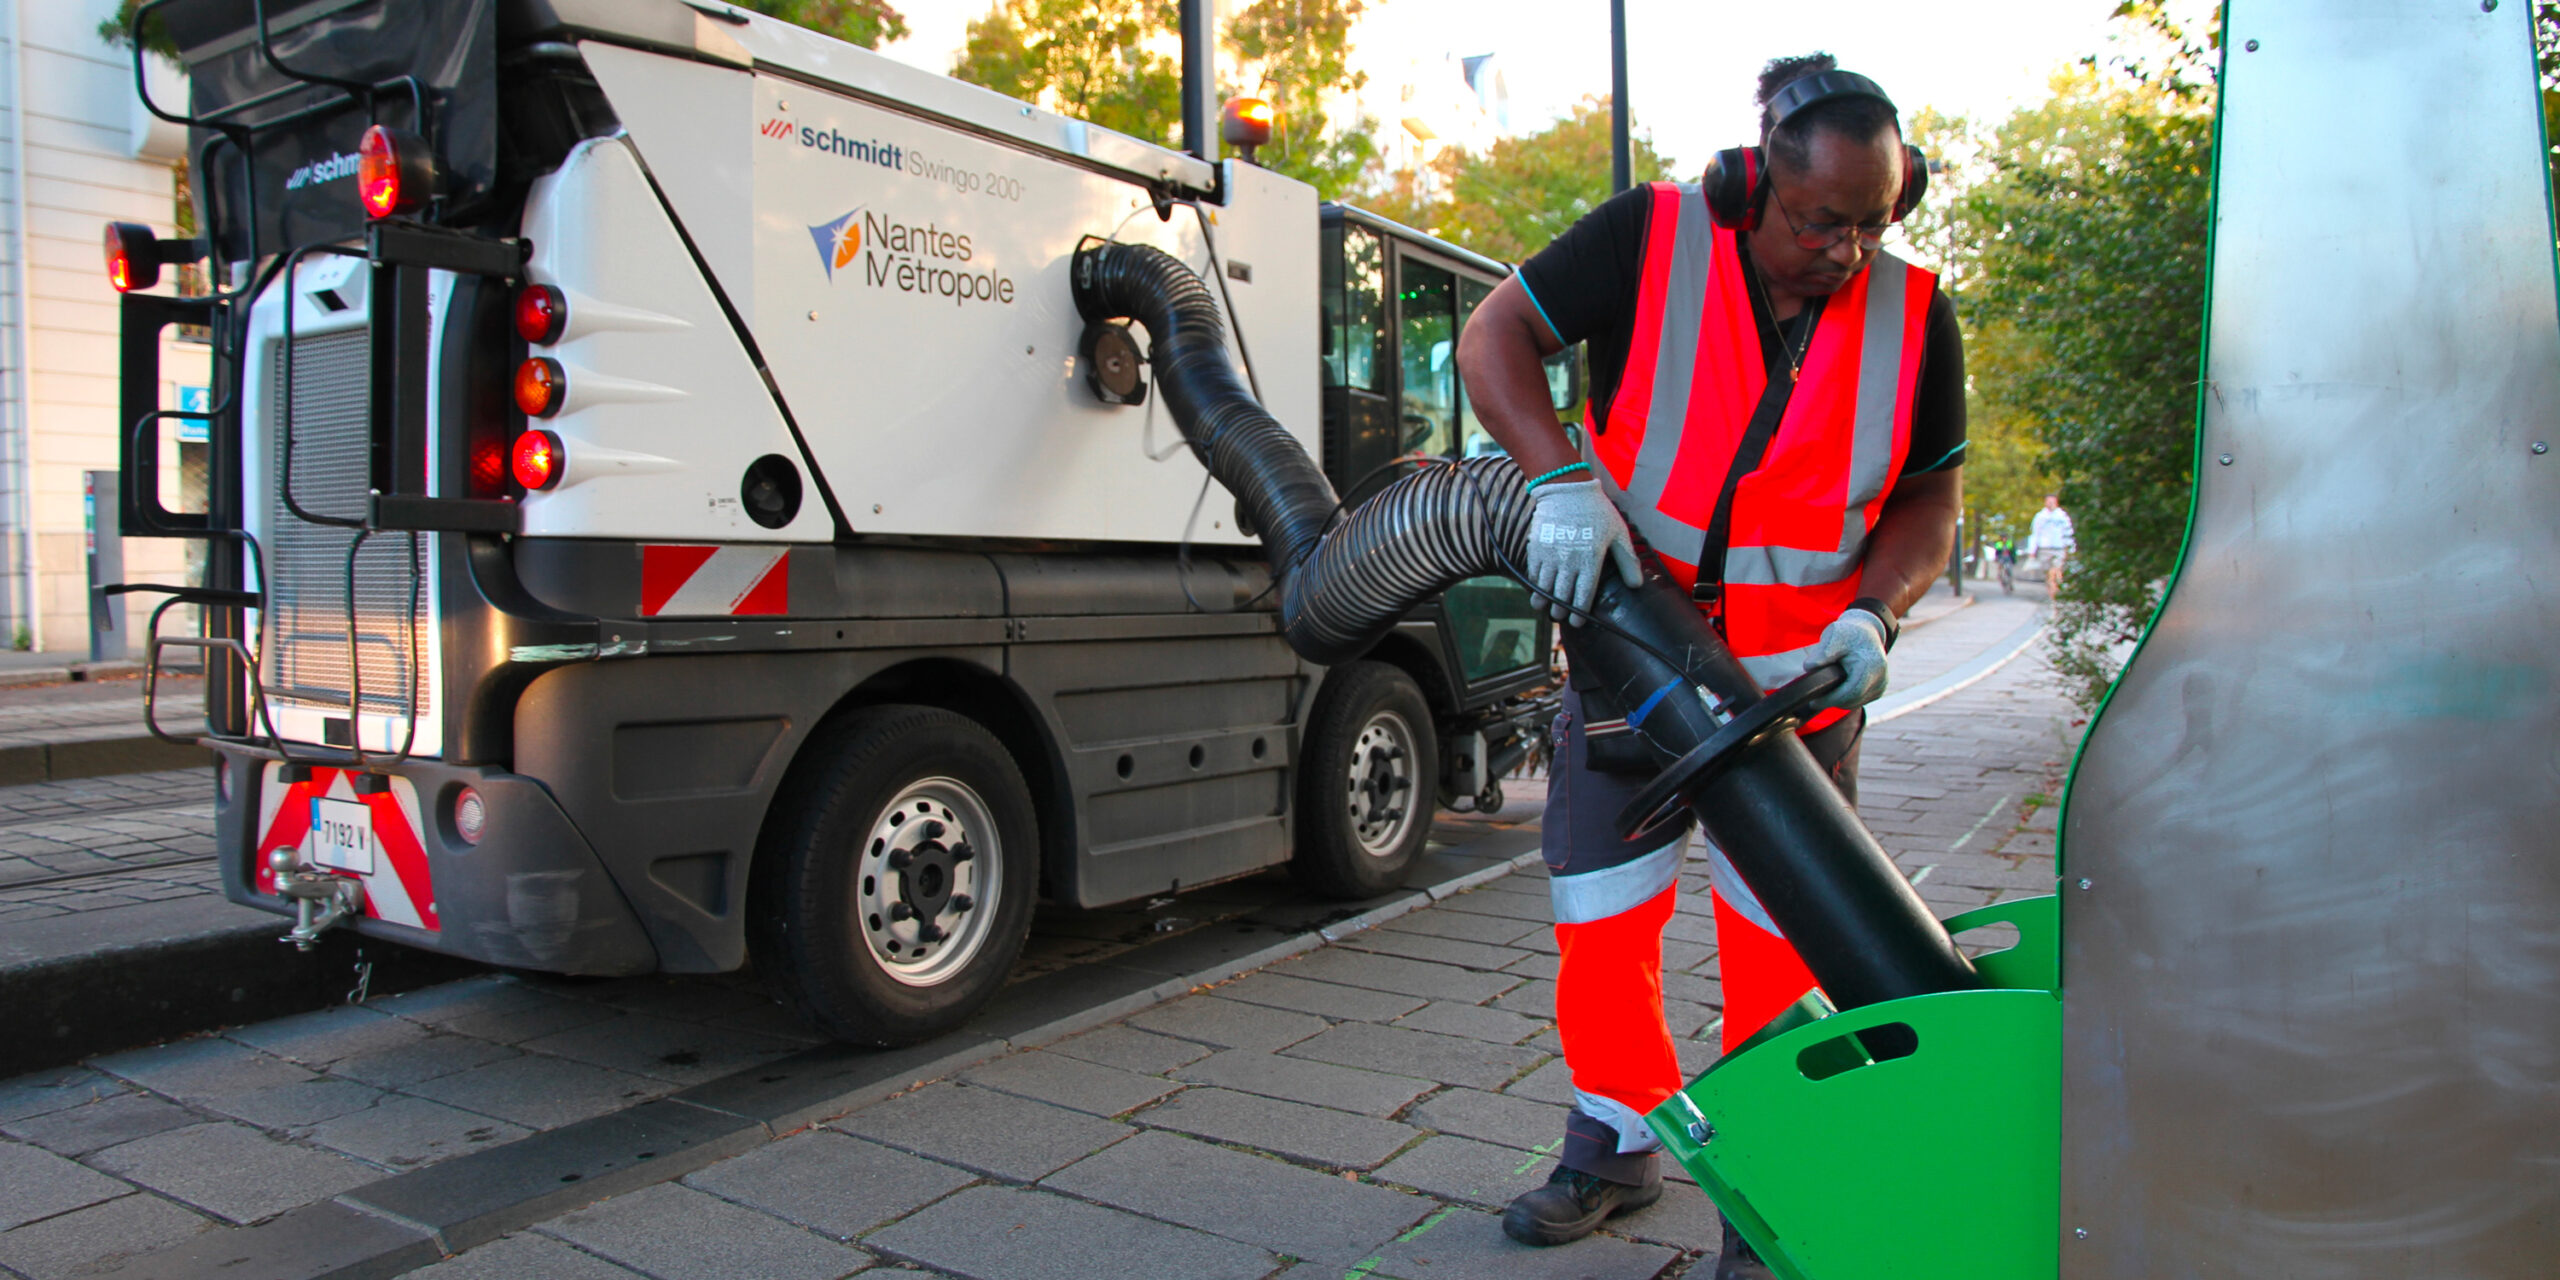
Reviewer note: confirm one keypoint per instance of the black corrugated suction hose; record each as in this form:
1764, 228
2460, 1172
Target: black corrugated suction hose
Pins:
1345, 581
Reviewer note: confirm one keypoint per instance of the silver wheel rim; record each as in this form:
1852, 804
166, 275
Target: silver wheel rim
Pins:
929, 878
1381, 800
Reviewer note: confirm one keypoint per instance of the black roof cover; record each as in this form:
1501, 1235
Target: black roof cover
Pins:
429, 66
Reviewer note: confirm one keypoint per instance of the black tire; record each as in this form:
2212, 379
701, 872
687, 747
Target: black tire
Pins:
1358, 840
826, 923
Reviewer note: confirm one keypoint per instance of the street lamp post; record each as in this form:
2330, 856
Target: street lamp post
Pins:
1622, 164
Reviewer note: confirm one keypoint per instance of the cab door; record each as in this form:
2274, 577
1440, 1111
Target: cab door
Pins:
1496, 632
1391, 318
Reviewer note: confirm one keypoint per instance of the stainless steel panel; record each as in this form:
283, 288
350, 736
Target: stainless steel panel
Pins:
306, 653
2313, 986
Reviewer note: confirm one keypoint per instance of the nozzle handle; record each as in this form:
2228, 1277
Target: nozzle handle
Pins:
1779, 711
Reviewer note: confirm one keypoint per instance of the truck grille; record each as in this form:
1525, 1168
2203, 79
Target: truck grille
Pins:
306, 563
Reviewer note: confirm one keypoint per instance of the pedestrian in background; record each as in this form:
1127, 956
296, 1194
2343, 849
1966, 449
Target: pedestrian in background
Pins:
2049, 538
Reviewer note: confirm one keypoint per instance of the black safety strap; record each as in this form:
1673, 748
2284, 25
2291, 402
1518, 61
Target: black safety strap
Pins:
1747, 456
1746, 459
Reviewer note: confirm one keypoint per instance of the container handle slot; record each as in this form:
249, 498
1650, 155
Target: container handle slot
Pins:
1865, 1047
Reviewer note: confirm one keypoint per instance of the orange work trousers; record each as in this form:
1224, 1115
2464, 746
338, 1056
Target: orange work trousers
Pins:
1612, 897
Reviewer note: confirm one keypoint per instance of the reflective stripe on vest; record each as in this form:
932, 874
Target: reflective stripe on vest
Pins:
1699, 316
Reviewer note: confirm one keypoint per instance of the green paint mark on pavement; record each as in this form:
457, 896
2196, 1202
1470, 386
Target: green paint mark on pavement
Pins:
1427, 1223
1370, 1263
1537, 1154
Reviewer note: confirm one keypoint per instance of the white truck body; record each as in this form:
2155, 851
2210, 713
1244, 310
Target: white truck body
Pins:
579, 711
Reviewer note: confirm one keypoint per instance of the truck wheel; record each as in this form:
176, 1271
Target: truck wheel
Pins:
896, 886
1365, 782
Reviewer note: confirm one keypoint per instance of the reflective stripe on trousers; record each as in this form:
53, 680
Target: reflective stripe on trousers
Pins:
1612, 900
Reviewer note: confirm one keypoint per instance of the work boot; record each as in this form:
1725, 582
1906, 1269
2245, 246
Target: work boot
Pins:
1736, 1261
1573, 1203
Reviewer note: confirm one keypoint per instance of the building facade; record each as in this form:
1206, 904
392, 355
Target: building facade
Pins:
76, 152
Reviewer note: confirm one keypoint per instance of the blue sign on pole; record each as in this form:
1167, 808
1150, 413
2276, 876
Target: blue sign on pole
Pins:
194, 400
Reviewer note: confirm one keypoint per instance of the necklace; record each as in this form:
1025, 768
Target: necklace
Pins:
1794, 355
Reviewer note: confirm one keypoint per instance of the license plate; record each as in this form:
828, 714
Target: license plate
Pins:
342, 836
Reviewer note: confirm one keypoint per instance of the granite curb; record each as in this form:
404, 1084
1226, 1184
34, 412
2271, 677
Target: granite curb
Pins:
96, 758
197, 963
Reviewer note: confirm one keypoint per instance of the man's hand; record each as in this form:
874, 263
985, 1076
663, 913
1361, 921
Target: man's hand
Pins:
1575, 529
1855, 640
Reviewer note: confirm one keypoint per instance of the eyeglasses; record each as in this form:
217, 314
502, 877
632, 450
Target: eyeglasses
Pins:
1823, 235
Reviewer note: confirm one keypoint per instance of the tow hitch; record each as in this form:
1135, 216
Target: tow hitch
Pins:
320, 900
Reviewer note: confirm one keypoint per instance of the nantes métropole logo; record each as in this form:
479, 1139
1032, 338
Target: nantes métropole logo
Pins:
917, 258
839, 242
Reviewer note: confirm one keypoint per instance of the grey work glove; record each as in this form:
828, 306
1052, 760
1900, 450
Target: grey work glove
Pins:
1855, 640
1574, 531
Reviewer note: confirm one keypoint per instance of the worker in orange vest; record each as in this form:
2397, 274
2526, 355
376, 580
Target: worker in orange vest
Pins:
1778, 416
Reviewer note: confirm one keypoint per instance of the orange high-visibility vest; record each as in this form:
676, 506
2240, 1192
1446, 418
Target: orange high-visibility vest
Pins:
1798, 533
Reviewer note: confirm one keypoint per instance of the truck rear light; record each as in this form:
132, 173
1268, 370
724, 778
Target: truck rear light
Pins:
133, 256
395, 173
541, 313
540, 386
539, 460
470, 815
488, 467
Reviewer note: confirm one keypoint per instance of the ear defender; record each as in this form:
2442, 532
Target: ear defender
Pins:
1733, 181
1915, 181
1732, 188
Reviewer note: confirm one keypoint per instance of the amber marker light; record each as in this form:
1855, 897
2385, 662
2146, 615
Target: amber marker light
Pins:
540, 386
1245, 124
542, 313
133, 256
538, 460
394, 172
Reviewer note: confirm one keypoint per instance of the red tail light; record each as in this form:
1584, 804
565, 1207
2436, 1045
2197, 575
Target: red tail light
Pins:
538, 460
488, 467
540, 386
394, 172
133, 256
542, 312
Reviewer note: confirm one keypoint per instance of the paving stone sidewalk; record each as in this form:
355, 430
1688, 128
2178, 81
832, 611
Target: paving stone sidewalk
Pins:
1362, 1110
91, 711
63, 843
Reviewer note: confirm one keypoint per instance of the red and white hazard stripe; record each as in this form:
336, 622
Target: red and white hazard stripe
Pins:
714, 582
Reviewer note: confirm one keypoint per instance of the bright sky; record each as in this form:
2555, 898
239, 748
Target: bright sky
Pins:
1693, 64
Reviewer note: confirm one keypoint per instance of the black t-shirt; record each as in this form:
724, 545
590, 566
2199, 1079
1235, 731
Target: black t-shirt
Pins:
1585, 284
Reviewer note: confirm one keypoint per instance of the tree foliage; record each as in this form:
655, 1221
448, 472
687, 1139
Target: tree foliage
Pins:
1112, 62
2085, 287
2546, 40
1508, 201
1295, 54
117, 29
863, 22
2173, 50
2005, 476
1096, 60
868, 23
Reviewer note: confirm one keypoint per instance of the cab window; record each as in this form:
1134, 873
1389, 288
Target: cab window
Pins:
1427, 343
1353, 289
